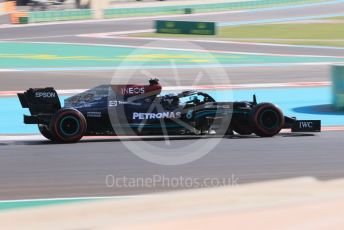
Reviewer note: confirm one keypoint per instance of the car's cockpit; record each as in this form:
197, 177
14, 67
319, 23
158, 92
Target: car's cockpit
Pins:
195, 98
186, 99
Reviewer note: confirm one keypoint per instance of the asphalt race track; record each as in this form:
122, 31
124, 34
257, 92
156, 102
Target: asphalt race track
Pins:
87, 79
39, 169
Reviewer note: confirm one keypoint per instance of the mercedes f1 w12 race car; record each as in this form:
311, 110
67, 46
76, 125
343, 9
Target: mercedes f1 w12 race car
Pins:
142, 110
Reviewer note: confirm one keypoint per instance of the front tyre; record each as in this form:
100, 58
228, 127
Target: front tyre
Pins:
68, 125
267, 120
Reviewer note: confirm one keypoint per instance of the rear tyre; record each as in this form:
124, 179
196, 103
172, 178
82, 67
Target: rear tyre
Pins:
267, 120
68, 125
43, 129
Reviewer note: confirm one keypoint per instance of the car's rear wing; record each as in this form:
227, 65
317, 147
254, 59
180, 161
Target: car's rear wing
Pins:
42, 104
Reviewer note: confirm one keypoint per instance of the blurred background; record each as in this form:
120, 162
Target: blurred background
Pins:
288, 52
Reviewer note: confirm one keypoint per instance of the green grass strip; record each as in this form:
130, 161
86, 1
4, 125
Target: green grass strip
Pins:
323, 34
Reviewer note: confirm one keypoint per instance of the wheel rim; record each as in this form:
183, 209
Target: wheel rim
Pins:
269, 119
69, 126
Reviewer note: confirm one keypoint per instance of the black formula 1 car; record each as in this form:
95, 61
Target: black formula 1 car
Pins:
141, 110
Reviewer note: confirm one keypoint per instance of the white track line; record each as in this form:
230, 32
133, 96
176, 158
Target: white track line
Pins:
181, 49
108, 36
19, 137
107, 68
244, 43
29, 38
8, 70
72, 198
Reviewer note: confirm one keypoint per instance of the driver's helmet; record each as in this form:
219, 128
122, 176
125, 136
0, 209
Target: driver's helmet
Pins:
154, 81
154, 88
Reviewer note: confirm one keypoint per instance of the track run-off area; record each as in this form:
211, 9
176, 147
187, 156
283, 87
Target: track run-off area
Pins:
306, 103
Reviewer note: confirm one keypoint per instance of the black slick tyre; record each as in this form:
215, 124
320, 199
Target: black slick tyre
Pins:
43, 129
266, 119
68, 125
